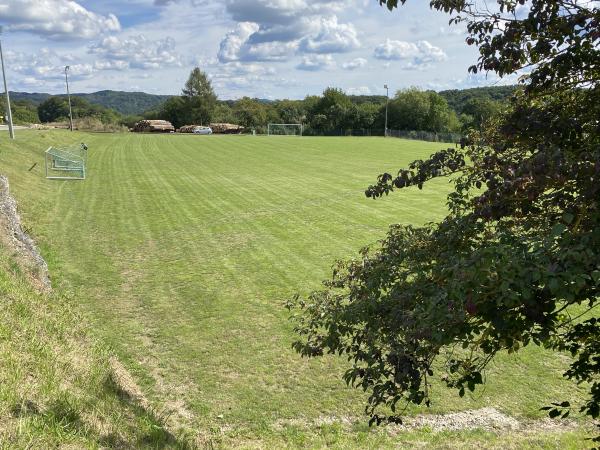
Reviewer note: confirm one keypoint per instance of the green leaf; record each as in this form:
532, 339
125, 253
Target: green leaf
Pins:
558, 229
568, 217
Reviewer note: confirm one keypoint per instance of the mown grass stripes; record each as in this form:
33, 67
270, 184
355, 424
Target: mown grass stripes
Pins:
182, 249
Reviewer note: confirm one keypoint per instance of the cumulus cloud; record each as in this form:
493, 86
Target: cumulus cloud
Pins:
415, 53
332, 37
272, 30
56, 19
232, 43
136, 52
360, 90
279, 12
354, 64
45, 66
315, 63
237, 46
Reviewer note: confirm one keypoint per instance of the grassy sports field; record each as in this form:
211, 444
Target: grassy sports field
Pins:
181, 250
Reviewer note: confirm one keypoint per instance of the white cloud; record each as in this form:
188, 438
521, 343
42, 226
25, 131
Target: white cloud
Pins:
232, 43
391, 49
272, 30
269, 13
360, 90
137, 52
268, 51
55, 19
46, 65
354, 64
315, 63
332, 37
111, 65
416, 54
282, 35
236, 46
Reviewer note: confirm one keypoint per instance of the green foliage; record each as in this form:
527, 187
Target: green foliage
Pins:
290, 111
457, 98
57, 108
199, 98
516, 260
477, 111
250, 113
126, 103
121, 101
223, 113
23, 111
175, 110
53, 108
413, 109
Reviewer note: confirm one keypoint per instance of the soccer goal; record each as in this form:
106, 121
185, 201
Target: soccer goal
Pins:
284, 129
66, 163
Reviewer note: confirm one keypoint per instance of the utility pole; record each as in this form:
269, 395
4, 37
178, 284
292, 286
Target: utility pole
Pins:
11, 130
69, 97
387, 100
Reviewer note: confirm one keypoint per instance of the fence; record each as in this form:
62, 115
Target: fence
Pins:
426, 136
404, 134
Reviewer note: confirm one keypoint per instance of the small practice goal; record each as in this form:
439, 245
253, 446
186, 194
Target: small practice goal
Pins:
284, 129
66, 163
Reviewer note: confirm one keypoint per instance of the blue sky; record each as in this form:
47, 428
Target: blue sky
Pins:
259, 48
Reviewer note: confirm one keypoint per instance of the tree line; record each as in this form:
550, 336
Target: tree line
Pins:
331, 113
334, 112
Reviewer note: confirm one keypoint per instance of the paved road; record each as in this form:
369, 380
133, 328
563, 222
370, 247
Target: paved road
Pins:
16, 127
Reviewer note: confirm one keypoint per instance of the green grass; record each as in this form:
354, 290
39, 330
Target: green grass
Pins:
180, 251
56, 386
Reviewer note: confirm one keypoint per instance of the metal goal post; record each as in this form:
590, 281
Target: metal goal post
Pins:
66, 163
284, 129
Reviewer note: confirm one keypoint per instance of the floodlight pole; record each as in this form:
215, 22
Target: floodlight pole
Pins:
11, 130
387, 100
69, 97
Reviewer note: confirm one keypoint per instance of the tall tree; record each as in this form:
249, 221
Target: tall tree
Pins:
250, 113
331, 110
516, 261
199, 96
52, 109
414, 109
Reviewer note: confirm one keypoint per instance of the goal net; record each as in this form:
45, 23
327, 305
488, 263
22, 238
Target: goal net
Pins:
284, 129
66, 163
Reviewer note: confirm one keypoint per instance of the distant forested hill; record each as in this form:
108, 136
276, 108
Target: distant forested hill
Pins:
136, 103
457, 98
123, 102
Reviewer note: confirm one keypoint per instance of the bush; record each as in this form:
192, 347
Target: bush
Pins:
95, 124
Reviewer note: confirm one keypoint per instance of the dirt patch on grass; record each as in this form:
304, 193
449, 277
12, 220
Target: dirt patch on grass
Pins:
488, 419
484, 418
126, 383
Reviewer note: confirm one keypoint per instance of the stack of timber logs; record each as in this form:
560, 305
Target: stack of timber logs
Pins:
153, 126
187, 129
226, 128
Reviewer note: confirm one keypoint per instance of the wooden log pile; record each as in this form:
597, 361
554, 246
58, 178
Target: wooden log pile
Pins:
226, 128
187, 128
153, 126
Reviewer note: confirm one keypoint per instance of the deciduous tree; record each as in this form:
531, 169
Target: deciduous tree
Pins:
516, 261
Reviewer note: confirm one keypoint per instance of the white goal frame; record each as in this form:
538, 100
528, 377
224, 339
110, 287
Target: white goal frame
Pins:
271, 125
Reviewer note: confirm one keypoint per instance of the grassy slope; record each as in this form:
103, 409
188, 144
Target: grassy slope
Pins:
56, 386
181, 250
